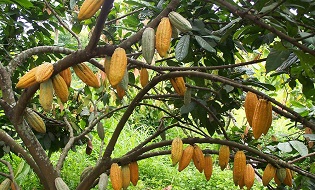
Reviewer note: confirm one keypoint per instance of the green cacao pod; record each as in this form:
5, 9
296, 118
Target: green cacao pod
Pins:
103, 182
5, 185
35, 121
179, 22
281, 174
60, 184
148, 44
86, 172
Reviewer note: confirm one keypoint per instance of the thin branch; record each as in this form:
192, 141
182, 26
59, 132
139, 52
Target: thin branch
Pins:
114, 20
11, 175
272, 10
301, 158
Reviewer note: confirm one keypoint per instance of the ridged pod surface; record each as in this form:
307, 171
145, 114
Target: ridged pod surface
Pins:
86, 75
281, 174
249, 176
179, 22
134, 173
198, 158
103, 182
46, 92
89, 8
148, 44
288, 178
60, 87
5, 184
224, 156
107, 65
251, 101
144, 77
188, 153
208, 168
35, 121
60, 184
43, 72
277, 181
66, 75
118, 66
125, 176
269, 174
116, 176
176, 150
262, 118
28, 79
239, 166
163, 37
86, 172
178, 84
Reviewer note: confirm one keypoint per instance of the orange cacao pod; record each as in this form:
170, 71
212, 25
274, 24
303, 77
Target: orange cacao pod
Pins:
224, 156
43, 72
116, 176
60, 87
239, 166
35, 121
118, 66
89, 8
277, 181
188, 153
241, 182
251, 101
198, 158
28, 79
288, 178
125, 176
262, 118
134, 173
178, 84
163, 37
249, 176
66, 75
120, 92
144, 77
46, 92
176, 150
208, 168
269, 174
86, 75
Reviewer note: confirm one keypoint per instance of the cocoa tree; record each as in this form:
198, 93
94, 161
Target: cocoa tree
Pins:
211, 57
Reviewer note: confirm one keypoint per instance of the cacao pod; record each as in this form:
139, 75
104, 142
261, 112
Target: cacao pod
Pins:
103, 182
262, 118
179, 22
178, 84
208, 168
46, 92
144, 77
249, 176
43, 72
35, 121
176, 150
175, 32
134, 173
60, 87
281, 174
125, 176
120, 92
241, 182
89, 8
5, 185
28, 79
288, 178
239, 166
118, 66
60, 184
277, 181
269, 174
148, 44
125, 81
116, 176
86, 75
198, 158
188, 153
224, 156
85, 172
163, 37
100, 131
251, 101
66, 75
107, 65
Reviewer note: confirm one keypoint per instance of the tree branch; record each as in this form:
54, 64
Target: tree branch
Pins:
11, 176
6, 85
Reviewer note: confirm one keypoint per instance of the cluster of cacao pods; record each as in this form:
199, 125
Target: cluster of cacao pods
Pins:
243, 174
280, 175
122, 176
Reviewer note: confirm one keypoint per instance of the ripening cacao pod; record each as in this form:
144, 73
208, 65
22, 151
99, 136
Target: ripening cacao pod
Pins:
86, 75
224, 156
60, 87
176, 150
188, 153
208, 168
118, 66
239, 166
262, 118
5, 185
28, 79
103, 181
148, 44
277, 181
60, 184
163, 37
85, 172
134, 173
281, 174
241, 182
120, 92
178, 84
116, 176
251, 101
269, 174
107, 65
35, 121
288, 178
66, 75
43, 72
125, 176
198, 158
46, 92
89, 8
249, 176
179, 22
144, 77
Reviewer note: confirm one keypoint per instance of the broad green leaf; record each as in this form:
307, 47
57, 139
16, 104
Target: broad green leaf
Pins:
204, 44
300, 147
284, 147
269, 7
24, 3
20, 168
182, 48
307, 62
275, 59
311, 136
76, 28
186, 108
23, 173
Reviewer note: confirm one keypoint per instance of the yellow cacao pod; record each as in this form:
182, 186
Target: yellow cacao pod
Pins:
125, 176
60, 87
208, 168
116, 176
179, 22
43, 72
144, 77
281, 174
46, 92
178, 84
86, 75
198, 158
66, 75
269, 174
60, 184
176, 150
188, 153
28, 79
5, 185
134, 173
288, 178
89, 8
118, 66
249, 176
35, 121
148, 44
239, 166
224, 156
251, 101
163, 37
262, 118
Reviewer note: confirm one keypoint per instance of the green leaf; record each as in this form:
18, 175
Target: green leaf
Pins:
24, 3
182, 48
311, 136
204, 44
259, 84
186, 108
76, 28
269, 7
284, 147
307, 62
276, 58
300, 147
